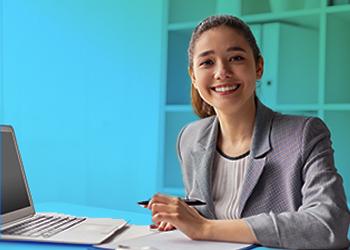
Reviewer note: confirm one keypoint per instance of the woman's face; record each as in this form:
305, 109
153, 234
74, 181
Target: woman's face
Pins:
224, 70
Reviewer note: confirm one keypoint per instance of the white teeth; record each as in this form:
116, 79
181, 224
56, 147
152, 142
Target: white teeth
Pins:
226, 88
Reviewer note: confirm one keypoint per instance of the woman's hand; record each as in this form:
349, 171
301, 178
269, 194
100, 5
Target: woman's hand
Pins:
171, 212
168, 212
163, 226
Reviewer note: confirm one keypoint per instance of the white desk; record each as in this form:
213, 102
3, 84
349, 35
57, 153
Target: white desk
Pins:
78, 210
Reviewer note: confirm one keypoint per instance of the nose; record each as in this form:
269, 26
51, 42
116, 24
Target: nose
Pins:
223, 71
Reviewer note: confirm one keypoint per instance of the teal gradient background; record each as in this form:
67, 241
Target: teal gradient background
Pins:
80, 83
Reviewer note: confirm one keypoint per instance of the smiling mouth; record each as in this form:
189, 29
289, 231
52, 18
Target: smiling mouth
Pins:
228, 89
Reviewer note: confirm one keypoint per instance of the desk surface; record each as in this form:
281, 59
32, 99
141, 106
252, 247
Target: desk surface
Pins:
78, 210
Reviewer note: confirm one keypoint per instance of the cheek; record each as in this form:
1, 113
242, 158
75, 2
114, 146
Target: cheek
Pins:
202, 84
249, 73
203, 78
203, 88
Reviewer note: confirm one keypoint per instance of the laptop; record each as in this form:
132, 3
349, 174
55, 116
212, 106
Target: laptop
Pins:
18, 218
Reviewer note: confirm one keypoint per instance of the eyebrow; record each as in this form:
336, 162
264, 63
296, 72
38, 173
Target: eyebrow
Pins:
236, 48
233, 48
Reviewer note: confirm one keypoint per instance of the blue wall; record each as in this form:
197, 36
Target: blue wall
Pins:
81, 85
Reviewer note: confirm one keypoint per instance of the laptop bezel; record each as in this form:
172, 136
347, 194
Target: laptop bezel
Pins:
25, 212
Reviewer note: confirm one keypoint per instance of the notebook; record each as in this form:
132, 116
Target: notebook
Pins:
171, 240
18, 218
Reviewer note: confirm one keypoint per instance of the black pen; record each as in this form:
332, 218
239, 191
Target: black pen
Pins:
190, 202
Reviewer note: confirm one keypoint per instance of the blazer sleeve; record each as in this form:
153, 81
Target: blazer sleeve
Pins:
322, 221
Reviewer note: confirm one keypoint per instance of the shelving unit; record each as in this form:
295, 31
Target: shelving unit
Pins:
305, 44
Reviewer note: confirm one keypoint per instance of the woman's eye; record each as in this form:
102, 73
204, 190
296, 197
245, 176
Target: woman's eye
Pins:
206, 63
236, 58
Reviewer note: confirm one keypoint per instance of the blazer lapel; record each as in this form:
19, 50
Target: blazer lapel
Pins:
203, 182
202, 158
260, 146
254, 171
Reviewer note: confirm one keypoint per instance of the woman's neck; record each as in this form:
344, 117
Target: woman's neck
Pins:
236, 129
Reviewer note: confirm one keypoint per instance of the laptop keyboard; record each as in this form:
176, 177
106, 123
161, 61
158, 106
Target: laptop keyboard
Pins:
42, 225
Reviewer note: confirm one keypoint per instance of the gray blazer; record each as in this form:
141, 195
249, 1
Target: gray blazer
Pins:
292, 195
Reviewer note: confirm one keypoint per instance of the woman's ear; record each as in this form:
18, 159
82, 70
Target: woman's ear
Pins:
193, 79
260, 68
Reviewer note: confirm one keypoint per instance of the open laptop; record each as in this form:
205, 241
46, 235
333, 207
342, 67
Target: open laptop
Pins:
18, 218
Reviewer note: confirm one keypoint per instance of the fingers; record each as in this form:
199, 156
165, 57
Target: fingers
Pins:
160, 198
166, 211
163, 226
170, 218
166, 208
165, 204
166, 227
169, 227
169, 213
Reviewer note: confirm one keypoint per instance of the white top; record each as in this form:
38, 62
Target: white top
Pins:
228, 178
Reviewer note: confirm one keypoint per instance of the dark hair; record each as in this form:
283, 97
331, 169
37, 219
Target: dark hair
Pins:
200, 107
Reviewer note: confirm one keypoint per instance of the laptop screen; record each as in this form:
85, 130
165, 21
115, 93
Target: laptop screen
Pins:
14, 195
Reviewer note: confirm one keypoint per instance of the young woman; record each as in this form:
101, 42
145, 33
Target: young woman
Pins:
266, 178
